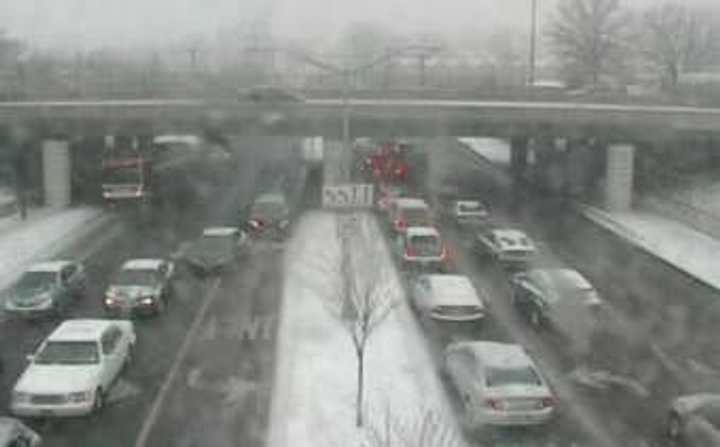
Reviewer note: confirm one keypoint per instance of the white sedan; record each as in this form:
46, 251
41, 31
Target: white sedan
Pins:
499, 384
72, 371
508, 246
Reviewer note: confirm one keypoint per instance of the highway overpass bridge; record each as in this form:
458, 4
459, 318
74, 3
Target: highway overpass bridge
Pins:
530, 126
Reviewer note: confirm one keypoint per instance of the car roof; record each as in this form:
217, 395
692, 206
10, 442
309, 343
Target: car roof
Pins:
49, 266
80, 330
498, 355
142, 264
422, 231
453, 290
509, 233
274, 197
561, 278
220, 231
406, 202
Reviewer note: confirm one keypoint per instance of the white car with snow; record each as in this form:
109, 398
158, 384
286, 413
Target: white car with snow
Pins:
407, 212
142, 286
499, 384
447, 298
13, 433
422, 249
509, 247
467, 213
73, 369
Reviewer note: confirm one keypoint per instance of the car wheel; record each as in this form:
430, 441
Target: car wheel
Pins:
674, 426
99, 401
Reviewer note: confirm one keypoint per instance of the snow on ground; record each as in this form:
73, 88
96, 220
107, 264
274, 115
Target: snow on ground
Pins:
43, 235
314, 394
689, 250
495, 150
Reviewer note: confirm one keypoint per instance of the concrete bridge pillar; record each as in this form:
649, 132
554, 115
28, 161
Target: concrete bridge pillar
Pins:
518, 157
57, 168
619, 177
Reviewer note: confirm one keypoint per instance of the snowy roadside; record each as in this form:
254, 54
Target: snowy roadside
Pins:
44, 236
313, 399
679, 245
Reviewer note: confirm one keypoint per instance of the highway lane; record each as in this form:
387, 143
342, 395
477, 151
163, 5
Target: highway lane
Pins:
159, 338
669, 348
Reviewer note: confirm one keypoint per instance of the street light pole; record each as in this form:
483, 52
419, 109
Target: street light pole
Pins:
533, 38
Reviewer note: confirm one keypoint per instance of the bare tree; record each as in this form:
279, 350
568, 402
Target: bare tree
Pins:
363, 296
676, 38
589, 36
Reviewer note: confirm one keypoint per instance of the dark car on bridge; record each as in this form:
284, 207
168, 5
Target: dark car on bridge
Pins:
142, 286
217, 249
269, 217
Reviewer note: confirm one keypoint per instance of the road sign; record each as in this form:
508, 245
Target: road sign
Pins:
358, 195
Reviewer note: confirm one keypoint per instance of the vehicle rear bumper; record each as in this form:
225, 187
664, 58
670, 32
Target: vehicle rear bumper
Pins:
63, 410
515, 418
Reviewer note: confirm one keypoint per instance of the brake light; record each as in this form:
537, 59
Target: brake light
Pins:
495, 404
546, 402
400, 224
410, 252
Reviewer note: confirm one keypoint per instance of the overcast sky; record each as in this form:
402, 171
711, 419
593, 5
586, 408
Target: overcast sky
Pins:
92, 23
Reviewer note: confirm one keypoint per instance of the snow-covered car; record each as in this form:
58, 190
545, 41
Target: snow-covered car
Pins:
510, 247
560, 299
467, 213
140, 286
499, 384
216, 249
694, 420
409, 212
73, 369
269, 216
47, 288
422, 249
387, 194
448, 298
13, 433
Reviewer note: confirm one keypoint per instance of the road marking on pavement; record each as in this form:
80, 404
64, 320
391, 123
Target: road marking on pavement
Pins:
157, 405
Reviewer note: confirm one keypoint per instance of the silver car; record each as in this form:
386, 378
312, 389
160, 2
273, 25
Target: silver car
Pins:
694, 420
499, 384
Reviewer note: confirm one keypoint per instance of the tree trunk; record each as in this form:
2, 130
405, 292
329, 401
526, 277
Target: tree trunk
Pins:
360, 386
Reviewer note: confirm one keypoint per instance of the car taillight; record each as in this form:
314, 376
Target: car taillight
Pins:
546, 402
495, 404
410, 252
400, 224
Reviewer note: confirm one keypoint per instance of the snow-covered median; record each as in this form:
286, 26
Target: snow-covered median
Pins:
315, 385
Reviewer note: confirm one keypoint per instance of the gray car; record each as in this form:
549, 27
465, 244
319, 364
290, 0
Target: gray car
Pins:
47, 288
14, 433
694, 420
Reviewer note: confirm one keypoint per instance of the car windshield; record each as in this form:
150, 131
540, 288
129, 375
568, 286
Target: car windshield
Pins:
36, 280
68, 353
416, 216
426, 245
136, 277
122, 175
498, 377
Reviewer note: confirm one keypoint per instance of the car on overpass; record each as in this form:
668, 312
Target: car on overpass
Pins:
74, 368
269, 216
466, 213
447, 298
141, 286
421, 249
46, 289
406, 212
216, 250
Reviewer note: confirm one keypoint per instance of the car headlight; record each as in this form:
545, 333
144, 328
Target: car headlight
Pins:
19, 397
81, 396
147, 300
45, 301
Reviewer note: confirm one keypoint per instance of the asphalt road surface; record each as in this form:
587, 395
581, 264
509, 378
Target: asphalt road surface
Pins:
204, 387
662, 343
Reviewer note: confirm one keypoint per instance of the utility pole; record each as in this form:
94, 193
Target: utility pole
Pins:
533, 38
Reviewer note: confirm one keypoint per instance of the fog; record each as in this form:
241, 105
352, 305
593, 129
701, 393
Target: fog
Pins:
89, 24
